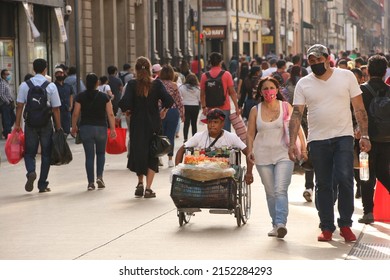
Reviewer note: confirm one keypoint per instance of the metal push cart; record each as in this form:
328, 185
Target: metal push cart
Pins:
230, 195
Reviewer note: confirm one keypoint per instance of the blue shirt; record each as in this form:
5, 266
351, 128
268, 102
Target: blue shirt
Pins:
53, 97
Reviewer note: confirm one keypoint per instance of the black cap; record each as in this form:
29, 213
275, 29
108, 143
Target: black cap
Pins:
216, 114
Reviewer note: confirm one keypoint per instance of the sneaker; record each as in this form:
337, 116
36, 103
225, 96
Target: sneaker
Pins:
91, 186
273, 232
326, 235
160, 162
367, 219
45, 190
347, 233
139, 190
307, 194
170, 163
281, 231
30, 181
100, 183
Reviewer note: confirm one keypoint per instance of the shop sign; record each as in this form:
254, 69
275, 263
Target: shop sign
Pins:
212, 5
267, 39
214, 32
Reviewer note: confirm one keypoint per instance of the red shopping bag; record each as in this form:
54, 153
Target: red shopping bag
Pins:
116, 145
14, 147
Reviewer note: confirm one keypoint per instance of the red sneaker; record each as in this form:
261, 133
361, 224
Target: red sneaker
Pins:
347, 233
325, 235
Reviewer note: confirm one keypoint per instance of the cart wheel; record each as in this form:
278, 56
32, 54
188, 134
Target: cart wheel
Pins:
237, 213
183, 217
245, 202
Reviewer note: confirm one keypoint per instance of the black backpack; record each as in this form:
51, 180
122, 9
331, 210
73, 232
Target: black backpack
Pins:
379, 110
279, 78
122, 77
215, 94
37, 113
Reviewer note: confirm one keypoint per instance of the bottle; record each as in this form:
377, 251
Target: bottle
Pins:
364, 169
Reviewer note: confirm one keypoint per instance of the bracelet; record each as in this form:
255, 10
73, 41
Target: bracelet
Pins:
365, 137
304, 152
203, 107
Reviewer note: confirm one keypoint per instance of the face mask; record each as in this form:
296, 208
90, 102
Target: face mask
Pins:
60, 78
8, 79
269, 94
318, 69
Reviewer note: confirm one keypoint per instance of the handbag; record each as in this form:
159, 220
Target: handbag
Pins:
159, 145
286, 134
116, 145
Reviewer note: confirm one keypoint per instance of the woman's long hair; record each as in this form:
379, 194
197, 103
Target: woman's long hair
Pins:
91, 81
192, 80
260, 97
144, 81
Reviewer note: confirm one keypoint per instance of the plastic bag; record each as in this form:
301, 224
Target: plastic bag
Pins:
14, 147
116, 145
60, 152
204, 171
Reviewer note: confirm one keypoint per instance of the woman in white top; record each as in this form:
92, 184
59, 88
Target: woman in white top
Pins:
190, 92
270, 153
105, 87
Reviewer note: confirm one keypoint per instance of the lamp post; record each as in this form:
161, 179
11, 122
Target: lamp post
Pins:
238, 32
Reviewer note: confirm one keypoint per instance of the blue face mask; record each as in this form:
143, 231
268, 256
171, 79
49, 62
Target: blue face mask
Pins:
8, 78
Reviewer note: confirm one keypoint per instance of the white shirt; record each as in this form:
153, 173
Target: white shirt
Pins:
53, 98
268, 72
104, 88
268, 146
190, 95
203, 140
328, 103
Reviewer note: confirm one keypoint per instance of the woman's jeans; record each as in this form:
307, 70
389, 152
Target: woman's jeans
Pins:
94, 141
191, 117
333, 166
276, 178
169, 125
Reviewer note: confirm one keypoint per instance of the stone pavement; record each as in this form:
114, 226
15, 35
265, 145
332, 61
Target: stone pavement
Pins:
110, 224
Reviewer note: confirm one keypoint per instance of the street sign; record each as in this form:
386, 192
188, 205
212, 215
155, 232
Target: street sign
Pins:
267, 39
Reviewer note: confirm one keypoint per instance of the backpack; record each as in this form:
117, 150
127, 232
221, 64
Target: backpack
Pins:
122, 77
278, 77
215, 93
379, 110
37, 113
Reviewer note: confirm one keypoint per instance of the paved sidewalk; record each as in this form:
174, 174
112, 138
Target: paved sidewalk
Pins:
72, 223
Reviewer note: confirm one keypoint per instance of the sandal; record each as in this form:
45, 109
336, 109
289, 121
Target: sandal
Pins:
149, 193
91, 187
139, 190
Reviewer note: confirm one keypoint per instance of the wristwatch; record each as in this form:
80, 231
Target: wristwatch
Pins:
365, 137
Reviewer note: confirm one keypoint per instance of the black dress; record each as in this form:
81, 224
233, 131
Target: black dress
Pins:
144, 122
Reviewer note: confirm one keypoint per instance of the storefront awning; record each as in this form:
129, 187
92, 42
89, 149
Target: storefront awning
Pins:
51, 3
307, 25
353, 14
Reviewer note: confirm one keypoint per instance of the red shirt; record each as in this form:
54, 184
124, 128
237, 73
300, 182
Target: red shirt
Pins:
227, 81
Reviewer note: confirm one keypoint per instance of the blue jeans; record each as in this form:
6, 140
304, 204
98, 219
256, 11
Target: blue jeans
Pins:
333, 165
169, 125
8, 118
227, 125
34, 136
94, 141
276, 178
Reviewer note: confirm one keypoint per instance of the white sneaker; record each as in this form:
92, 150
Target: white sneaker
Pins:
281, 231
170, 163
160, 162
273, 232
307, 194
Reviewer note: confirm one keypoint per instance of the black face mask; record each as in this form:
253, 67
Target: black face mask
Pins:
60, 78
318, 69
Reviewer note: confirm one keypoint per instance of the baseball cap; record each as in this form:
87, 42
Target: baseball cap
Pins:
156, 67
317, 50
215, 114
58, 70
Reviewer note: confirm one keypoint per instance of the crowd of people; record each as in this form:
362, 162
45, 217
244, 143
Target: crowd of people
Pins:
293, 115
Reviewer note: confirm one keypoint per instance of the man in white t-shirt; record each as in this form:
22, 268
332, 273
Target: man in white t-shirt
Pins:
205, 139
328, 93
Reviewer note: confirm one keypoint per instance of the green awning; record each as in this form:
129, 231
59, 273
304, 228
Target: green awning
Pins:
307, 25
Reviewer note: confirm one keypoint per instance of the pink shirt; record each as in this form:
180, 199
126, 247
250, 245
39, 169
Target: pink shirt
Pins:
227, 81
